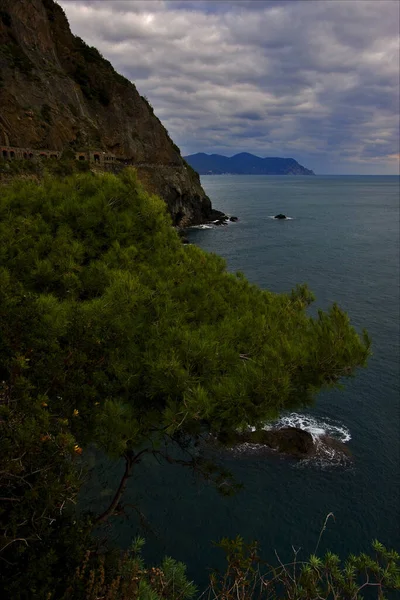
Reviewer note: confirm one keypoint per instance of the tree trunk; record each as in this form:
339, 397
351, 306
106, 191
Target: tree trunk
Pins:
129, 462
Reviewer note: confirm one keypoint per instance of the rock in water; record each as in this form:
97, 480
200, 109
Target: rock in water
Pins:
280, 216
339, 447
293, 441
288, 440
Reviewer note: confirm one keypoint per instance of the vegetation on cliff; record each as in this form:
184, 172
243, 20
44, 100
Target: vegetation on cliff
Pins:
115, 334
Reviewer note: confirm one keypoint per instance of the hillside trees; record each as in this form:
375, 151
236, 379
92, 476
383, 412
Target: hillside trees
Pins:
115, 334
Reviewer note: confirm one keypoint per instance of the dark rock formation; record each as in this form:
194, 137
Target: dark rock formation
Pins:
217, 215
280, 216
329, 442
291, 441
234, 219
245, 164
56, 92
288, 440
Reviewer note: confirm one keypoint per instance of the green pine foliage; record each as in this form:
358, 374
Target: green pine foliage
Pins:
126, 577
248, 577
139, 320
114, 333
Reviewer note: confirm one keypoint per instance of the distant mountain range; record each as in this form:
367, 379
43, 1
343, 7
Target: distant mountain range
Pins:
244, 164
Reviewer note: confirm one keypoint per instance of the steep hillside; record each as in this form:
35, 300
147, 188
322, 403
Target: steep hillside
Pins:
57, 92
245, 164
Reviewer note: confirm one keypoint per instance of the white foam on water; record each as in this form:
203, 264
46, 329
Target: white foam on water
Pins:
201, 227
317, 427
326, 456
224, 222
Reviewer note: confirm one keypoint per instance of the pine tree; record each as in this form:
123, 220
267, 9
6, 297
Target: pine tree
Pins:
113, 333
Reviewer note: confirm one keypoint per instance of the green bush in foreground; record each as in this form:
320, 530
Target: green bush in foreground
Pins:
125, 577
247, 577
115, 334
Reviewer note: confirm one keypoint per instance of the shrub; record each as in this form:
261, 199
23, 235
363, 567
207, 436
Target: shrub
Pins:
247, 577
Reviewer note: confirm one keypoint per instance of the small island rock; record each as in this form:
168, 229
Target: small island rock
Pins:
293, 441
290, 441
280, 216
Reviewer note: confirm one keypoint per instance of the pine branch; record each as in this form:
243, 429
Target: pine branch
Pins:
130, 461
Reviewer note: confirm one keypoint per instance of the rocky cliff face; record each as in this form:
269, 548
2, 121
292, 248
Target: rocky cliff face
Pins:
57, 92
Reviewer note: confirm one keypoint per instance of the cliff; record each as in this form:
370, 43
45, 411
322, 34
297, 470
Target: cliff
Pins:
56, 92
245, 164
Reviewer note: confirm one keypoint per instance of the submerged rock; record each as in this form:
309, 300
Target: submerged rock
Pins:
234, 219
280, 216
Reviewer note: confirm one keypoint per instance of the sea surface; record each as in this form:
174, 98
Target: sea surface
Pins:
343, 241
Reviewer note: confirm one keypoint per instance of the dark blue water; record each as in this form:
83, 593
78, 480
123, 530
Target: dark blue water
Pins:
343, 241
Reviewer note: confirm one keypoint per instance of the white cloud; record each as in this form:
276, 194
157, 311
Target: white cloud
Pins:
318, 80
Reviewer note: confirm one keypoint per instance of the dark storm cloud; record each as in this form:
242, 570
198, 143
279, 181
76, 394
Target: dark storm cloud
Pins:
315, 80
250, 116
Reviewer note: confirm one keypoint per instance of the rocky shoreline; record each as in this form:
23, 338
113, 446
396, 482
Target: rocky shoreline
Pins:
216, 219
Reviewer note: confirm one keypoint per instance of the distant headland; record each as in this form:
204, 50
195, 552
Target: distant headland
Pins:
245, 164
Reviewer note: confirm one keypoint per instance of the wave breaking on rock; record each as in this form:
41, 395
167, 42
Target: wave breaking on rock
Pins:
306, 439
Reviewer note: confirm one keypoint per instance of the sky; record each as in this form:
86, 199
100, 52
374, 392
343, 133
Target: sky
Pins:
315, 80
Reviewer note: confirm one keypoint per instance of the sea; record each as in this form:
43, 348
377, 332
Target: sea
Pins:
342, 239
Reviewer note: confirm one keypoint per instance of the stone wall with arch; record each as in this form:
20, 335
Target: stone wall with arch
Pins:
96, 157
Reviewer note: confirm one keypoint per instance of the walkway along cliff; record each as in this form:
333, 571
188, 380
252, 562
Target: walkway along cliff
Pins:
94, 157
56, 92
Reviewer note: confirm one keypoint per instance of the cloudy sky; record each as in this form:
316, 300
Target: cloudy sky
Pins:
317, 80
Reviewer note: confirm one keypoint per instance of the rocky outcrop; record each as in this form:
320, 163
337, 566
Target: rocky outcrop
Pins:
290, 441
56, 92
280, 216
